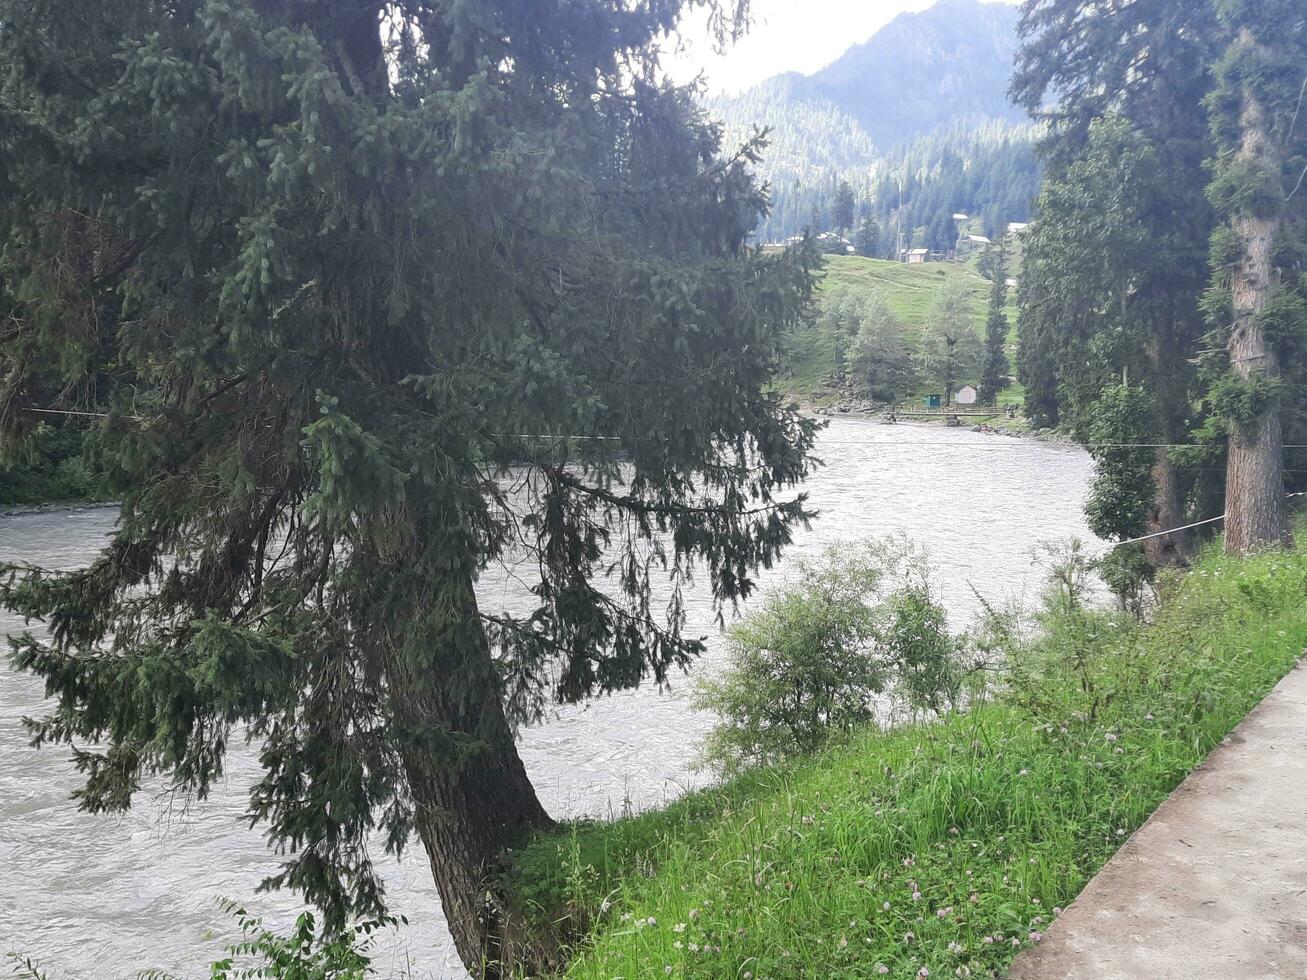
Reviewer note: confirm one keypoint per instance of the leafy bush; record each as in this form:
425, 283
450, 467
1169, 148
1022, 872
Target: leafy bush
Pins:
858, 635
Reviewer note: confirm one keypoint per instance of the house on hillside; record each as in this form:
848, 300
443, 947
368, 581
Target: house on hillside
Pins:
966, 395
915, 256
967, 244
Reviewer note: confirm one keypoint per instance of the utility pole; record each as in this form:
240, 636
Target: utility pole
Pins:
898, 218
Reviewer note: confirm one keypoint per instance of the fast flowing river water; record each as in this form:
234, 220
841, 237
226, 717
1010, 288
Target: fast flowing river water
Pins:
105, 897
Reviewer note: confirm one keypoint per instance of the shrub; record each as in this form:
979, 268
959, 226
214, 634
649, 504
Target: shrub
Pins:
858, 635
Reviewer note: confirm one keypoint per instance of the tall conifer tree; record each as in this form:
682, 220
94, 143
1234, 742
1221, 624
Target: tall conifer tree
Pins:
995, 369
335, 270
1257, 117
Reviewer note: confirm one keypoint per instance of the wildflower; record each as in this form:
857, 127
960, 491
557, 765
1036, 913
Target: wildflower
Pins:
1032, 861
909, 936
988, 940
1110, 736
885, 906
679, 927
909, 862
882, 969
945, 912
916, 896
844, 943
975, 897
957, 949
1148, 717
962, 971
1024, 772
1120, 831
667, 970
678, 945
1118, 751
626, 916
1036, 937
1038, 920
1016, 941
1034, 901
954, 831
694, 947
807, 821
651, 921
1057, 910
923, 972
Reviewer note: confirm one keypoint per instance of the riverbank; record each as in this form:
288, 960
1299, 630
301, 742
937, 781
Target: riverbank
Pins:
930, 851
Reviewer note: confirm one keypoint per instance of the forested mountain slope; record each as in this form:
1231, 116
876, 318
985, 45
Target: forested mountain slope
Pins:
922, 104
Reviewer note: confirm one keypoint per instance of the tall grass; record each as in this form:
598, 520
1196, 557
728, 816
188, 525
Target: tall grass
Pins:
941, 849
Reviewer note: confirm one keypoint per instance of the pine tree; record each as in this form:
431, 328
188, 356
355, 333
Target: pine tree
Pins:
335, 271
1145, 65
995, 370
1256, 107
867, 240
842, 211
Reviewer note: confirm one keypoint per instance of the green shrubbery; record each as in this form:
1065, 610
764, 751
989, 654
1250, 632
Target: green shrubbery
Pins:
855, 637
942, 848
48, 468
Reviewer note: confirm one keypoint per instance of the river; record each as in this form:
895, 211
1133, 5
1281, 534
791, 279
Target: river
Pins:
104, 897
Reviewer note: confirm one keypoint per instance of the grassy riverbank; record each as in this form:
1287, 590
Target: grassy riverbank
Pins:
939, 850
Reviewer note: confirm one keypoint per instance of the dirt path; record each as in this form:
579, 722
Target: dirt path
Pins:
1214, 885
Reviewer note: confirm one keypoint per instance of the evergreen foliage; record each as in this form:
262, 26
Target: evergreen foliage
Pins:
842, 210
1258, 297
995, 369
334, 276
867, 240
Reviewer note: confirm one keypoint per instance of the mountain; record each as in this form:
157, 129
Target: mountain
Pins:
923, 100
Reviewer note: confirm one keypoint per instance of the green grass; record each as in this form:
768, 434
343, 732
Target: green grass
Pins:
944, 847
909, 289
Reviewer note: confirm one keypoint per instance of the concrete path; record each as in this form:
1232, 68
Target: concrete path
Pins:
1214, 885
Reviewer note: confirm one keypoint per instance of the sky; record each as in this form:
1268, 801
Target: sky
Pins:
788, 35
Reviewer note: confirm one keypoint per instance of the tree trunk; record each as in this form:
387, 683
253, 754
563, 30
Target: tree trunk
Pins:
1257, 515
1168, 512
446, 698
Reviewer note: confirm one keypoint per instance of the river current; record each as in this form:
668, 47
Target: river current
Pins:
105, 897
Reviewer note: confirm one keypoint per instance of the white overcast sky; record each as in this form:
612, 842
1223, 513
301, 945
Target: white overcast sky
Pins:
788, 35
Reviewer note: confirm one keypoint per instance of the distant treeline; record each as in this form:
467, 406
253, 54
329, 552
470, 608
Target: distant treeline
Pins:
991, 174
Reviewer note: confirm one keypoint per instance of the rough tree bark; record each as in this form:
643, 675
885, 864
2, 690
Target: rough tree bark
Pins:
1257, 515
466, 814
1168, 512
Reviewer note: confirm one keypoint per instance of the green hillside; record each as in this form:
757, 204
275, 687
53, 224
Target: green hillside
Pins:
909, 289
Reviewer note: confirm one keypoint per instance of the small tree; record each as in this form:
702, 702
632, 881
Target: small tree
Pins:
995, 369
859, 633
950, 348
1123, 493
881, 358
842, 211
867, 240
